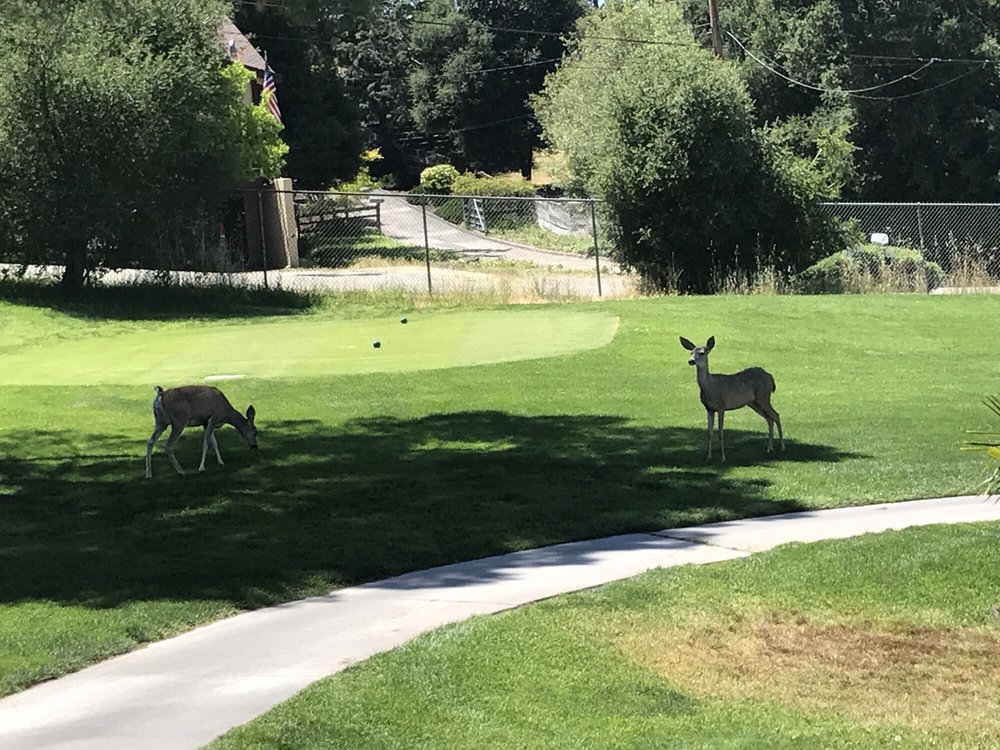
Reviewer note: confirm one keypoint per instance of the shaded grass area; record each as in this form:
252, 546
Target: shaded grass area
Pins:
85, 536
360, 477
157, 301
876, 641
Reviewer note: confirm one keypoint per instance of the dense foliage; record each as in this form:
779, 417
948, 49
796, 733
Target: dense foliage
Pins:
119, 128
322, 123
870, 268
693, 191
925, 78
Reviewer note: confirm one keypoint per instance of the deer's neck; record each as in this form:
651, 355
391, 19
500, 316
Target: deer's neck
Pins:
704, 377
236, 419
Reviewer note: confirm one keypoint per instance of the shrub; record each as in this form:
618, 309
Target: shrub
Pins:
870, 268
438, 179
693, 189
451, 209
469, 184
506, 214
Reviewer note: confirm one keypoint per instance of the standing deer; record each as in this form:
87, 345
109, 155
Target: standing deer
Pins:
192, 405
721, 393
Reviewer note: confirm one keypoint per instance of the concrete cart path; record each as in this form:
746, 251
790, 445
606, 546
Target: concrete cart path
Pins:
183, 692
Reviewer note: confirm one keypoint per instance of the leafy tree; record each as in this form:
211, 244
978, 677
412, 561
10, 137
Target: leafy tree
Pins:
321, 120
118, 127
923, 129
666, 136
378, 60
480, 61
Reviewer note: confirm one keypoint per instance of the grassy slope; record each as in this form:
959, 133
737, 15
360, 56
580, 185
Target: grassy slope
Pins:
883, 640
365, 476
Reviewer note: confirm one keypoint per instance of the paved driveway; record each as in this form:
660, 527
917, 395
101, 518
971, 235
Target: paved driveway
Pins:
405, 222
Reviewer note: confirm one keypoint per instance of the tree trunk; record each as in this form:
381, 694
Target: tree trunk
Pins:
76, 267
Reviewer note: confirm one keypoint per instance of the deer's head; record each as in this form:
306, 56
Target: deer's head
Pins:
249, 432
699, 354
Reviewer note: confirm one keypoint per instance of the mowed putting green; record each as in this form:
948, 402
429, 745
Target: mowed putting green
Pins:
175, 352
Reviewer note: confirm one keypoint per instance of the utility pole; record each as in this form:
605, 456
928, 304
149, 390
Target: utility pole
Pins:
713, 19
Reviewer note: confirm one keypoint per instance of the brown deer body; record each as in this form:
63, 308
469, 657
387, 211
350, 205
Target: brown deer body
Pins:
190, 406
721, 393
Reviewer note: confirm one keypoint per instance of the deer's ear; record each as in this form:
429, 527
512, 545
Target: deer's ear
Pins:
251, 413
687, 344
711, 344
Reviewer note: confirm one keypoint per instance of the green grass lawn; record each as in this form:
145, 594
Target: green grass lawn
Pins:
534, 236
469, 433
888, 640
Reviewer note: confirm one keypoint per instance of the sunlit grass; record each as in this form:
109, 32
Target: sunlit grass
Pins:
367, 475
879, 641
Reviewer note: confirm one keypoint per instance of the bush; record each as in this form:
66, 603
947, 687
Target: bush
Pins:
438, 179
693, 189
870, 268
506, 214
469, 184
451, 209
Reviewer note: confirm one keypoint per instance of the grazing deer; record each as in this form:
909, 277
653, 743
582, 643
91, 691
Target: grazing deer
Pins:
192, 405
721, 393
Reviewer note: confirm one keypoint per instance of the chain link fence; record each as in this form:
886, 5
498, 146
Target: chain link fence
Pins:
962, 238
509, 247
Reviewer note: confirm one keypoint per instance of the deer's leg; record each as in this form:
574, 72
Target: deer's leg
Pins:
157, 431
774, 417
205, 440
215, 447
176, 429
722, 435
711, 426
770, 424
781, 436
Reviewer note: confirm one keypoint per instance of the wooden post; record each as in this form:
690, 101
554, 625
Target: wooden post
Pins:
427, 249
713, 19
263, 237
597, 252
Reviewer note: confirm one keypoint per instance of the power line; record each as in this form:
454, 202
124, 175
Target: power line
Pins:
560, 34
514, 67
908, 76
968, 60
859, 93
882, 59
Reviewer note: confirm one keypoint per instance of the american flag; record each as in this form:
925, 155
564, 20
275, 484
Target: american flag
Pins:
272, 100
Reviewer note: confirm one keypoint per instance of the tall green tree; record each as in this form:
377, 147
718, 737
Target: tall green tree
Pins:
305, 41
378, 61
924, 78
118, 120
479, 63
666, 136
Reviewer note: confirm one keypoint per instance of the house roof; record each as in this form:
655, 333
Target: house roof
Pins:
238, 48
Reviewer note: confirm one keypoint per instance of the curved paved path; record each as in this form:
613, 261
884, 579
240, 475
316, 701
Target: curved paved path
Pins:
183, 692
405, 222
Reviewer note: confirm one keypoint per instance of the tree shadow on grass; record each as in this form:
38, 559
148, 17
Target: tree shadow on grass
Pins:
321, 506
158, 301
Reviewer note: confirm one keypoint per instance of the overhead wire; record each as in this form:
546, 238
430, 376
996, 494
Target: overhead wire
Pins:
859, 93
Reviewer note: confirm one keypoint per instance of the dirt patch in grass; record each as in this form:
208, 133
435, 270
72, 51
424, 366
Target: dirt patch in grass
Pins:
928, 678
